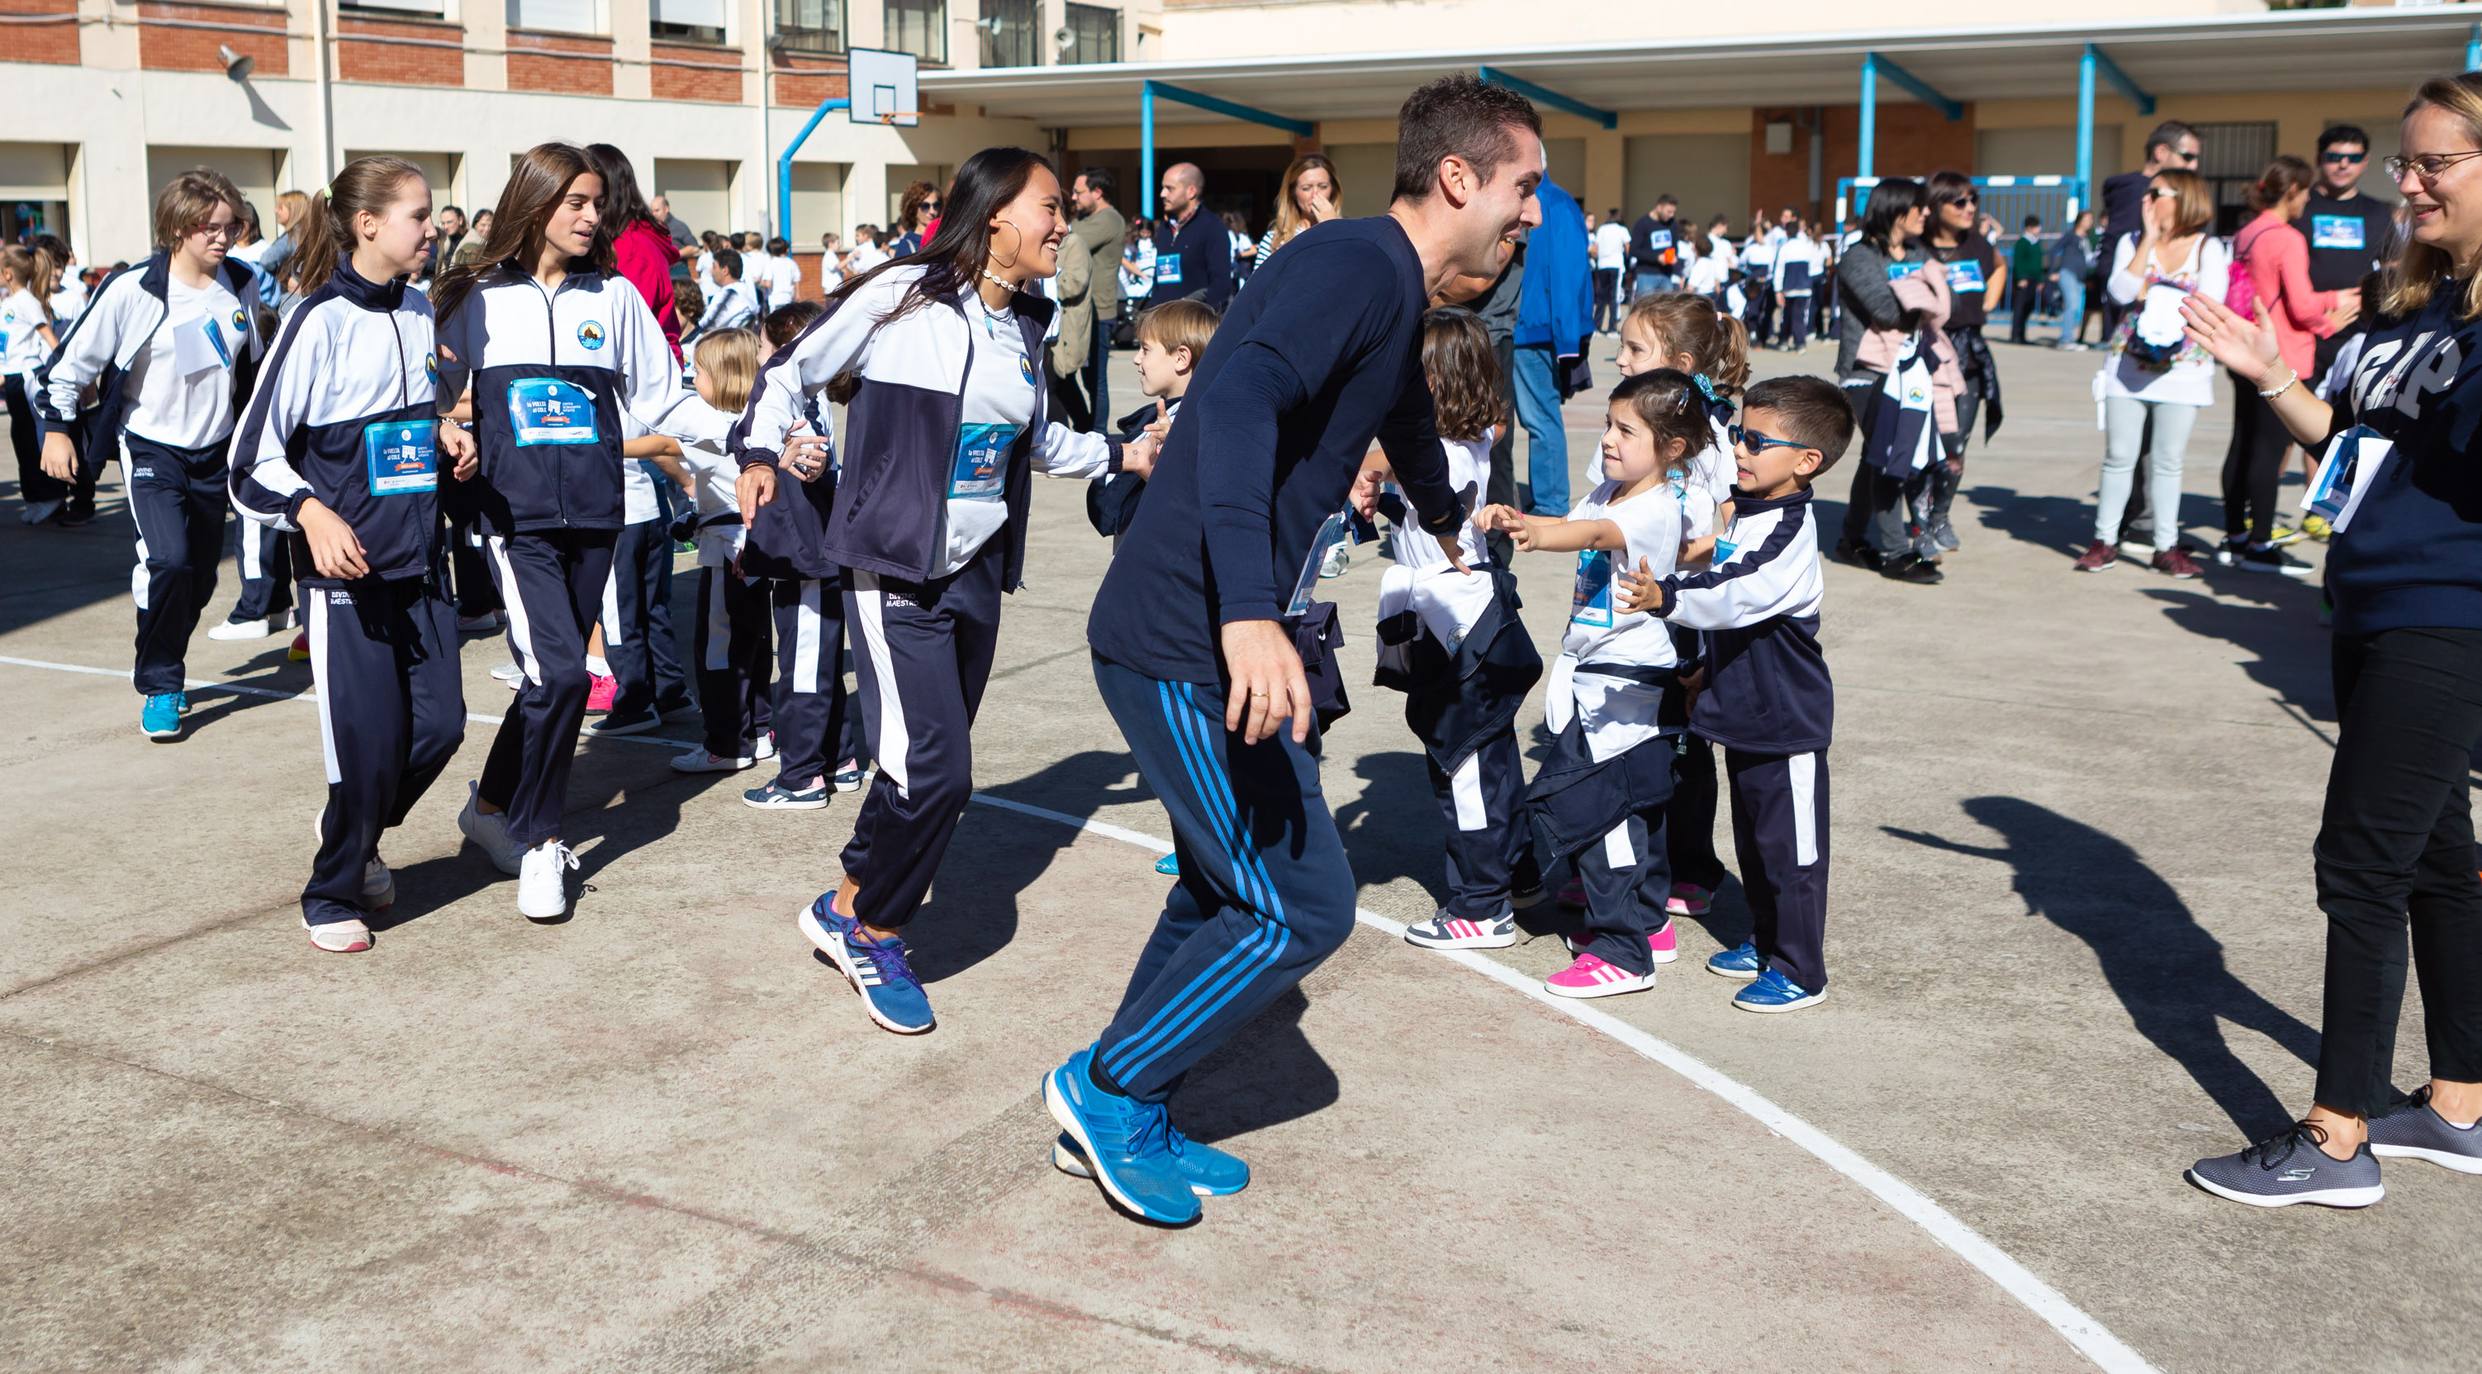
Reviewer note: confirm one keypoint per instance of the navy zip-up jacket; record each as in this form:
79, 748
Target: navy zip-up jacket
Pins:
118, 324
890, 501
1768, 690
1321, 354
1202, 249
350, 383
2411, 553
553, 372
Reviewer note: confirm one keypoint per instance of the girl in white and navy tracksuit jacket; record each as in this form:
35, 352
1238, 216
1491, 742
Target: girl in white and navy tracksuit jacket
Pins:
345, 424
946, 425
172, 364
552, 371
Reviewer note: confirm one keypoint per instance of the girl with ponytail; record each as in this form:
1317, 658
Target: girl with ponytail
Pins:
26, 337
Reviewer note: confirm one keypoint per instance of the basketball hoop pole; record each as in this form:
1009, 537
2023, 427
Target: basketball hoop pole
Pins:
784, 163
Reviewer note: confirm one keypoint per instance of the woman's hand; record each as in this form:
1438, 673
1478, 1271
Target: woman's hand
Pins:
2249, 349
2347, 309
1322, 208
2156, 218
465, 458
60, 457
754, 489
334, 550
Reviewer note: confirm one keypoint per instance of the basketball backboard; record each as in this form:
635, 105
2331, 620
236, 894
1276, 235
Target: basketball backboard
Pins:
885, 87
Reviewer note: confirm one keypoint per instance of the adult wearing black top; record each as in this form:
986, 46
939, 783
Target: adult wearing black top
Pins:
1193, 249
1978, 281
1194, 653
2395, 841
2350, 233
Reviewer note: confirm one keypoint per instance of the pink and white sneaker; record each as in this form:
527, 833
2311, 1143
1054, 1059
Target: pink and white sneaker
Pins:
600, 690
1445, 931
1664, 944
1689, 899
1591, 977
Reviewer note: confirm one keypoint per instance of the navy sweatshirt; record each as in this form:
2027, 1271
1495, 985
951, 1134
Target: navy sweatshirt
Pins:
1321, 354
2412, 553
1193, 259
1767, 688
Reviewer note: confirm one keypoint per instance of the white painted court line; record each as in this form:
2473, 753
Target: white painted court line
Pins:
2089, 1336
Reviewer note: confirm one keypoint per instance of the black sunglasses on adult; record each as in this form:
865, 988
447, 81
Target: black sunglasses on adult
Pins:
2353, 159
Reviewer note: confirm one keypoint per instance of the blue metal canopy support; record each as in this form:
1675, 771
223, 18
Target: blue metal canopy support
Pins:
2091, 63
784, 163
1540, 95
1230, 109
2473, 49
1875, 66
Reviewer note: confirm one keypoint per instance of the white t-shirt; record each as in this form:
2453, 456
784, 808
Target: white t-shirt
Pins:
1611, 246
755, 266
999, 405
2190, 380
1712, 475
864, 257
783, 280
21, 334
1423, 580
184, 379
1617, 713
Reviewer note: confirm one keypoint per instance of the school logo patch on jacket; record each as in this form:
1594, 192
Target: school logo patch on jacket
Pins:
241, 323
431, 367
590, 334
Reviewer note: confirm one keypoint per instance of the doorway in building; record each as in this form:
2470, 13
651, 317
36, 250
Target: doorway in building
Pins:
2232, 157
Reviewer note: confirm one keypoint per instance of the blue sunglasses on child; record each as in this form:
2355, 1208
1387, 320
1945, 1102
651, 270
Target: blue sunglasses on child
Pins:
1760, 443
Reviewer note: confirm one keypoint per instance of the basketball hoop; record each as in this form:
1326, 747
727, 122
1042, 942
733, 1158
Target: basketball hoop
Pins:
884, 87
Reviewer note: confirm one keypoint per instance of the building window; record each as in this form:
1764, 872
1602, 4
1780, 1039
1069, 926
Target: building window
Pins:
558, 16
1008, 33
391, 9
1094, 34
811, 25
690, 21
919, 27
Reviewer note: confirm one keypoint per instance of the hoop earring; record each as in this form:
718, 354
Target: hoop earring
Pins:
1011, 260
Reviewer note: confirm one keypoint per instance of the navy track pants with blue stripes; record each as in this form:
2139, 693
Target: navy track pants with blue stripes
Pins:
1264, 892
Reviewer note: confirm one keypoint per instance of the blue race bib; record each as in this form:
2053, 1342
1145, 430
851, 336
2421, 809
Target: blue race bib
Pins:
2338, 231
982, 462
1898, 271
401, 456
1591, 605
547, 410
1168, 269
1965, 276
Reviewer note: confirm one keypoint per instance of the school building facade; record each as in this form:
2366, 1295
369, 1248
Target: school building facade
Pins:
109, 97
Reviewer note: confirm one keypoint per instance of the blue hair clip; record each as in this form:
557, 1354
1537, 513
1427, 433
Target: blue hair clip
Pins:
1706, 388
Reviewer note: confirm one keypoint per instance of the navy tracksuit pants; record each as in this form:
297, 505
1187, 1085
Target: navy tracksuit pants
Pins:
551, 581
391, 715
1264, 893
1689, 826
924, 656
1490, 853
637, 623
812, 712
264, 557
1779, 835
1625, 870
732, 642
177, 497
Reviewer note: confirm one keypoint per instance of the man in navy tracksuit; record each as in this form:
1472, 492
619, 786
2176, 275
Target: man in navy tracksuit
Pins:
1194, 653
1193, 249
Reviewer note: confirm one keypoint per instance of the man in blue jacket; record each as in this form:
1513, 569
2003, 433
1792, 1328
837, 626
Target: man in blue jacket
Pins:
1555, 315
1193, 249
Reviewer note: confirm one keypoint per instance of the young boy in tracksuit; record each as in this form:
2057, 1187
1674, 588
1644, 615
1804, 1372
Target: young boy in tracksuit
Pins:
1767, 698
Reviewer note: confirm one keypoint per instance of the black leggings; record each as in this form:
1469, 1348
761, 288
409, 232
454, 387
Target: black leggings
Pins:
2395, 848
2252, 464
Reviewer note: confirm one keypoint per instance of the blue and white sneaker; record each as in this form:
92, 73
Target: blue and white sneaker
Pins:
1211, 1172
890, 992
184, 699
161, 717
1774, 992
1739, 963
1169, 865
1126, 1142
775, 796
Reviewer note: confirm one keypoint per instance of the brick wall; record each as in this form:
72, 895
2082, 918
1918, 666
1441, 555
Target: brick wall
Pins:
436, 57
802, 81
683, 71
55, 42
808, 260
564, 63
254, 30
1914, 140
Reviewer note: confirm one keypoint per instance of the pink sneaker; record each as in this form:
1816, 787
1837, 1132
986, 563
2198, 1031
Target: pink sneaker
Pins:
1664, 944
1689, 899
599, 693
1591, 977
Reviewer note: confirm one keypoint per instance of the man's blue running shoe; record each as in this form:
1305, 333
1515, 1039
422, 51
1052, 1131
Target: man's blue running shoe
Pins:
1211, 1172
1125, 1141
162, 717
1739, 963
1775, 992
890, 992
1169, 865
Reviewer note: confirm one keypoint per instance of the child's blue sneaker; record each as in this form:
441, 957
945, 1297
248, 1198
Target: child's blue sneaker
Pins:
1169, 865
1739, 962
1774, 992
878, 971
161, 719
1211, 1172
184, 699
1127, 1142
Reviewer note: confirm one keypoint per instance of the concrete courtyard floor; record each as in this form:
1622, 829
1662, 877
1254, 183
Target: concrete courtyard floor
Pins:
2073, 946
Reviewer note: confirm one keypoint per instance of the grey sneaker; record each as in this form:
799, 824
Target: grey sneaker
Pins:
2417, 1131
2290, 1168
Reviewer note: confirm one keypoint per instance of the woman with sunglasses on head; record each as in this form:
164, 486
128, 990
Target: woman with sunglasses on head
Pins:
1978, 282
2395, 840
171, 346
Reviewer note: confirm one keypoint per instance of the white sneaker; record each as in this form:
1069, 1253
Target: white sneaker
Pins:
340, 937
696, 759
765, 748
490, 833
378, 885
240, 629
511, 676
543, 886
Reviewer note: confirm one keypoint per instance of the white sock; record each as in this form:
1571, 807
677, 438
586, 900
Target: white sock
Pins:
598, 665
